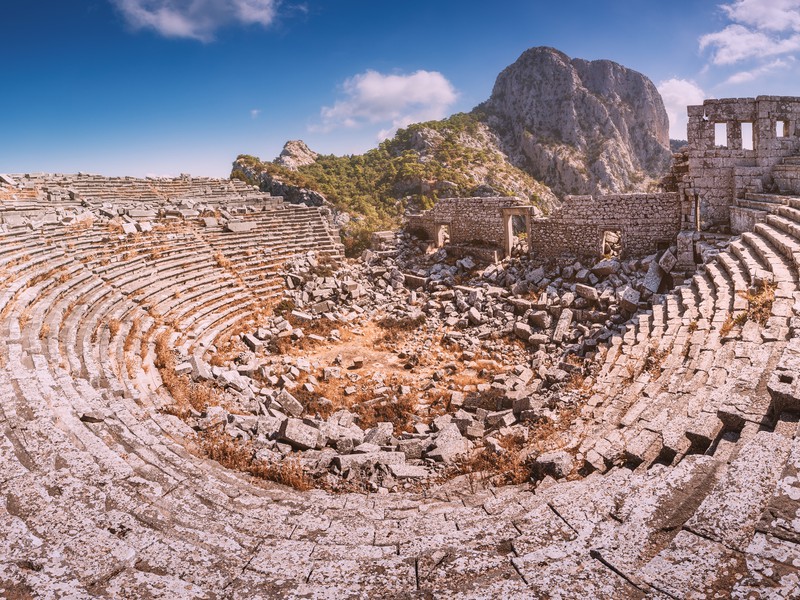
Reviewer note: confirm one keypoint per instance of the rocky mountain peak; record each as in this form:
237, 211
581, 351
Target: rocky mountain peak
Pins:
296, 154
580, 126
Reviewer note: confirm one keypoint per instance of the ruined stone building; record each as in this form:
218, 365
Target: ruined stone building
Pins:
742, 154
738, 149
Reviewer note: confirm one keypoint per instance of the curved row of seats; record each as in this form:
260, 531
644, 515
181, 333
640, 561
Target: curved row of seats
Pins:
677, 382
102, 496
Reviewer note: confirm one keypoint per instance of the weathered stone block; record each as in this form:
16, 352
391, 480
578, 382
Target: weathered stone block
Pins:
587, 292
629, 300
299, 435
240, 226
562, 327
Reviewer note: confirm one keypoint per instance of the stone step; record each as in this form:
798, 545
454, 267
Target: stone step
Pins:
767, 258
786, 224
737, 273
723, 286
790, 213
760, 205
779, 518
788, 249
733, 509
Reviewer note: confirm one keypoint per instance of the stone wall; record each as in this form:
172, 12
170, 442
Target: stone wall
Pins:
718, 173
470, 220
760, 153
643, 220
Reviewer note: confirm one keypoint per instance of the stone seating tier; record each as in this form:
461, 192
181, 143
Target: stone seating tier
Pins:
693, 488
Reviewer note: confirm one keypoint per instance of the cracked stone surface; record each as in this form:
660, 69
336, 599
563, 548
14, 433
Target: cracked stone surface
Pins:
684, 449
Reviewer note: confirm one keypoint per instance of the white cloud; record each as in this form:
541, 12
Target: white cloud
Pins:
254, 114
759, 29
677, 94
195, 19
261, 12
736, 43
394, 101
752, 74
774, 15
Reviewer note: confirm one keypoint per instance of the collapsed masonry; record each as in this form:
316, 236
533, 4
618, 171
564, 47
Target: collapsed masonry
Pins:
742, 154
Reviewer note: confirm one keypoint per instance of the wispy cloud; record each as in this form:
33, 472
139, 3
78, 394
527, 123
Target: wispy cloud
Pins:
772, 15
255, 113
677, 95
759, 30
195, 19
391, 101
752, 74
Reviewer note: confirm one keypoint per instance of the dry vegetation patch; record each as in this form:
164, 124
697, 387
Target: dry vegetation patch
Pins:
759, 304
727, 325
397, 330
217, 445
187, 394
511, 466
654, 359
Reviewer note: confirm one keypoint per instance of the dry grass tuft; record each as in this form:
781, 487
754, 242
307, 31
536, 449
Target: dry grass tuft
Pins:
287, 472
630, 374
233, 454
576, 383
511, 467
222, 261
398, 329
329, 397
727, 325
654, 359
759, 304
326, 267
130, 366
228, 348
397, 412
283, 307
132, 332
44, 331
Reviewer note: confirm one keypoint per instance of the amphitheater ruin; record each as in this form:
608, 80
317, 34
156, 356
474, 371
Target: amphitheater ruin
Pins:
658, 386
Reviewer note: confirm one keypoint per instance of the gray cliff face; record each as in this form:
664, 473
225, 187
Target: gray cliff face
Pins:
580, 126
296, 154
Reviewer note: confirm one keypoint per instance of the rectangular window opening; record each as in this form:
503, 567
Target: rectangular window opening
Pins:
721, 135
748, 142
781, 129
612, 243
442, 235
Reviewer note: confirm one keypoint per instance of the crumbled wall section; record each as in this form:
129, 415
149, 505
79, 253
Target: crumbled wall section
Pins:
644, 221
722, 170
469, 219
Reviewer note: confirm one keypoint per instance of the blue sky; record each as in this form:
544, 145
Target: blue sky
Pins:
162, 87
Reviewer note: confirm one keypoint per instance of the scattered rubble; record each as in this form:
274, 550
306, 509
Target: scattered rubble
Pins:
524, 332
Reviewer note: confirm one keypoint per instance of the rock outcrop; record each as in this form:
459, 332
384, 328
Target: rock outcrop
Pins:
276, 185
296, 154
581, 127
475, 154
